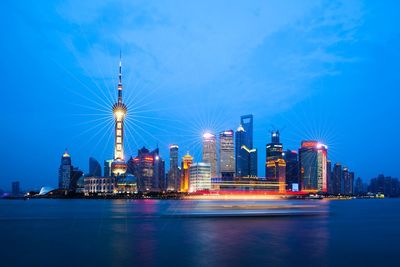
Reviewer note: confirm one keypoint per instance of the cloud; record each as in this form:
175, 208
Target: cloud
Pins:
240, 52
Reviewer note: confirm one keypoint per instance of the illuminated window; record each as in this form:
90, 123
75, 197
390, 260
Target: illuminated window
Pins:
119, 125
119, 147
119, 132
119, 139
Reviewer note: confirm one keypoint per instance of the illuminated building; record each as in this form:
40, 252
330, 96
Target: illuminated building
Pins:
107, 168
275, 166
292, 170
127, 185
174, 173
65, 172
226, 155
148, 167
312, 159
337, 179
119, 110
245, 154
187, 160
199, 176
99, 185
94, 167
210, 152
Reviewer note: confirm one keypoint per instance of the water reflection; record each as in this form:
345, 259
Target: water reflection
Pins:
153, 239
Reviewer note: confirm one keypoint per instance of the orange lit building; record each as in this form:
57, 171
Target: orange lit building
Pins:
187, 160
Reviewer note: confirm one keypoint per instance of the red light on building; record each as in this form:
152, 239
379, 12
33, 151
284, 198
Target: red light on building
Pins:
309, 144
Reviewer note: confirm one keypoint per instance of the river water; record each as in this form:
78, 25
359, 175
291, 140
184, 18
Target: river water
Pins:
52, 232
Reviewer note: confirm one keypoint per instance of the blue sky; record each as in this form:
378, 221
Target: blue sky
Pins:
325, 70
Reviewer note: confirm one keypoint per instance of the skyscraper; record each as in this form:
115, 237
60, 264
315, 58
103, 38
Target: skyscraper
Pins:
347, 182
107, 168
337, 179
245, 154
173, 174
210, 152
119, 110
199, 176
187, 160
246, 121
149, 169
94, 167
65, 172
292, 170
329, 176
226, 155
312, 158
359, 187
275, 166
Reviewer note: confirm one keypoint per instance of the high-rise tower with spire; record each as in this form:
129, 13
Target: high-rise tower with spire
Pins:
119, 110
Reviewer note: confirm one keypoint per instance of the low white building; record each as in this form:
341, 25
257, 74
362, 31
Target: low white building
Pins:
199, 177
96, 185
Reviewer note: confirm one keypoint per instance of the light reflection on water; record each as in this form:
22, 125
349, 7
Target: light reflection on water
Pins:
137, 232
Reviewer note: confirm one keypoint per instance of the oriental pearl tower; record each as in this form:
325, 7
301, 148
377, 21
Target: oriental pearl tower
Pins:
119, 109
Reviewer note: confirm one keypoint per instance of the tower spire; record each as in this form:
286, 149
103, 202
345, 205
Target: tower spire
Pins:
120, 78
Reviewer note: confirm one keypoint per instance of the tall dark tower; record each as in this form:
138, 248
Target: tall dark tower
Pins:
119, 110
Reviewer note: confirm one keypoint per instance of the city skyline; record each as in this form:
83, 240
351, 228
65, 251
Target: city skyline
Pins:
72, 76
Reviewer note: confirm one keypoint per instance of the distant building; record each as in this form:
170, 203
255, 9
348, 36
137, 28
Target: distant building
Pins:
245, 154
65, 172
149, 168
210, 152
174, 172
359, 187
15, 189
385, 185
292, 170
107, 168
312, 159
187, 161
337, 176
226, 155
199, 177
347, 182
275, 165
94, 167
329, 176
76, 174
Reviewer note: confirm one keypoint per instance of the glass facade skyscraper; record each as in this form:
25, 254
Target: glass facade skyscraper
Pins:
226, 155
275, 166
210, 152
245, 154
65, 172
173, 174
313, 174
94, 167
292, 170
